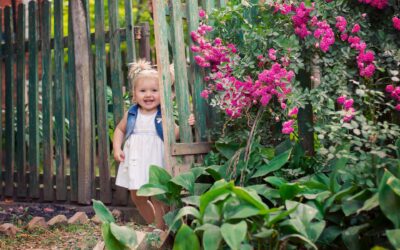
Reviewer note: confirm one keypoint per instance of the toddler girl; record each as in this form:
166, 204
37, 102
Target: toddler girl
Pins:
141, 132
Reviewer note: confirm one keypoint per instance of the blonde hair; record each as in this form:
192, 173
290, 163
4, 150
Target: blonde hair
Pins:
144, 69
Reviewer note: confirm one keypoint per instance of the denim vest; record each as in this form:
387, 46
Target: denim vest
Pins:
131, 120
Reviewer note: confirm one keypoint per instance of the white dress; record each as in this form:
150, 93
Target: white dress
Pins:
142, 149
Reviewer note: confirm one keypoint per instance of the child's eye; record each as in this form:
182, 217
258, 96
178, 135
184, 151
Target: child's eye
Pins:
142, 90
155, 90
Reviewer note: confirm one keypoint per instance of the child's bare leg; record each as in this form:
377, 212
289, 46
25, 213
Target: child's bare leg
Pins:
160, 209
144, 206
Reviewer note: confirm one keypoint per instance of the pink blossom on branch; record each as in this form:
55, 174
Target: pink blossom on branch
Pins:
396, 23
287, 127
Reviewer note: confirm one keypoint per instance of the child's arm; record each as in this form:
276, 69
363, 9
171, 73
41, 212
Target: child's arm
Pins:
119, 134
191, 122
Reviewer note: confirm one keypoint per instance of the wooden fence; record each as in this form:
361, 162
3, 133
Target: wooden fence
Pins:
39, 131
169, 22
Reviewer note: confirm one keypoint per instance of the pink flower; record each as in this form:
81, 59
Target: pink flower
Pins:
202, 14
204, 94
293, 112
271, 54
396, 22
389, 88
356, 28
287, 127
344, 36
348, 103
341, 99
397, 107
349, 115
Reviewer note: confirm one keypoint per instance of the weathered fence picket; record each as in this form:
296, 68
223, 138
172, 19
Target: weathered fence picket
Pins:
20, 161
9, 130
33, 103
47, 104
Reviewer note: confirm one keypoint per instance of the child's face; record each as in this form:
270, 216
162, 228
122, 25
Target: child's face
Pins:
147, 94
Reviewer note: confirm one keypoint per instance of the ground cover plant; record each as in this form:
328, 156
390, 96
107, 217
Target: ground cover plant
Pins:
308, 155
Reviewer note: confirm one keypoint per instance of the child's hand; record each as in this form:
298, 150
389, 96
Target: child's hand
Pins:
119, 155
191, 120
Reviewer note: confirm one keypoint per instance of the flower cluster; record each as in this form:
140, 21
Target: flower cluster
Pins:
347, 105
325, 32
394, 94
379, 4
396, 22
230, 93
300, 20
287, 127
365, 59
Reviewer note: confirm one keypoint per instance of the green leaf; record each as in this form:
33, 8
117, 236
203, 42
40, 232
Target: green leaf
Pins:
267, 153
275, 164
151, 189
251, 198
158, 175
289, 191
398, 148
169, 220
212, 237
234, 209
304, 212
394, 184
124, 235
184, 212
212, 214
234, 234
329, 234
185, 180
351, 206
193, 200
186, 239
102, 211
299, 237
351, 237
389, 201
394, 237
370, 204
109, 239
275, 181
227, 149
214, 193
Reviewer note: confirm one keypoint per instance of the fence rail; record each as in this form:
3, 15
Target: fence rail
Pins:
39, 133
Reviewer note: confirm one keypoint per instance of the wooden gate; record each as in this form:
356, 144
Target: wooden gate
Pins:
188, 79
39, 153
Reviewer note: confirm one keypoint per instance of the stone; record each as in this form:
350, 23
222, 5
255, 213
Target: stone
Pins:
96, 220
117, 214
9, 229
78, 218
36, 222
100, 246
58, 220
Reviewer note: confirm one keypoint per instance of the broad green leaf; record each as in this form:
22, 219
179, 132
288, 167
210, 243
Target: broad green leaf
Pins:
350, 236
389, 201
268, 153
192, 200
370, 204
275, 181
110, 241
186, 239
213, 171
214, 193
264, 233
184, 212
275, 218
329, 234
212, 214
124, 235
275, 164
212, 238
169, 220
304, 212
158, 175
251, 198
398, 148
102, 212
234, 234
311, 230
289, 190
185, 180
227, 150
298, 237
394, 184
394, 237
351, 206
235, 209
197, 171
151, 189
201, 188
